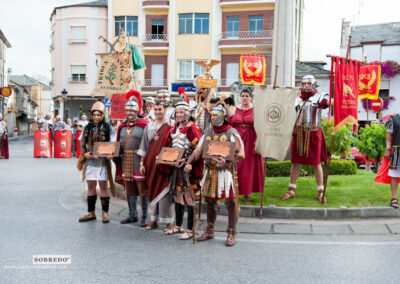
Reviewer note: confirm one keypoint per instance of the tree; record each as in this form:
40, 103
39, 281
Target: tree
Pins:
372, 142
343, 138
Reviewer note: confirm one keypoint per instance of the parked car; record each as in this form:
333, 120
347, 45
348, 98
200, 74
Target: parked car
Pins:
359, 158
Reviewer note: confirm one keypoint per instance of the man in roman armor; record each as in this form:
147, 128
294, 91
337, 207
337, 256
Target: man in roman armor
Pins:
165, 96
308, 144
161, 200
3, 139
220, 178
95, 169
130, 133
184, 134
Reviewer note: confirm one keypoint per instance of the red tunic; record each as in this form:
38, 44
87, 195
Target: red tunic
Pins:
251, 169
317, 151
4, 146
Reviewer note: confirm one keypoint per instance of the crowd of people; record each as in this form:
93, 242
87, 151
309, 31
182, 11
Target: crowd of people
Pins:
165, 192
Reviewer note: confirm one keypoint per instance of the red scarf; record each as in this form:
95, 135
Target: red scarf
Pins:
222, 128
306, 95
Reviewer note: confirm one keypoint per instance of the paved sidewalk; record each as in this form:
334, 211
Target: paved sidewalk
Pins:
119, 209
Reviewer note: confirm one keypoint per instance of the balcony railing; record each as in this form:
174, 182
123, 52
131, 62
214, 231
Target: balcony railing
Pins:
232, 35
155, 83
156, 37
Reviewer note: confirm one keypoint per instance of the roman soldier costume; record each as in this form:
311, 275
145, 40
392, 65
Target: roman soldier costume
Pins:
96, 169
3, 139
130, 134
184, 135
308, 144
220, 178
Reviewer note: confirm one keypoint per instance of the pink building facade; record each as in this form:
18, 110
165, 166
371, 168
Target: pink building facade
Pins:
75, 31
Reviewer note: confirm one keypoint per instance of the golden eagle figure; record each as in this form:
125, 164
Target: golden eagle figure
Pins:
208, 65
362, 86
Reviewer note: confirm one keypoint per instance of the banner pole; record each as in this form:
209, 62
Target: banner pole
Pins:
365, 62
262, 194
333, 134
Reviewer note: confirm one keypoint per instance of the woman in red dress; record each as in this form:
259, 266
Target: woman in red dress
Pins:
251, 169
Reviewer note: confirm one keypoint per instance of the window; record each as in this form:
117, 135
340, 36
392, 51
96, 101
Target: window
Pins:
232, 27
186, 23
157, 29
78, 34
188, 69
78, 73
255, 25
129, 23
194, 23
232, 73
201, 23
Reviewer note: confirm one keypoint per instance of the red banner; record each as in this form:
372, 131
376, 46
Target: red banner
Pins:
345, 91
118, 102
252, 69
369, 80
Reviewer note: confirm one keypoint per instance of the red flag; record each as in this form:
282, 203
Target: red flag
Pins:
369, 81
345, 92
118, 102
252, 69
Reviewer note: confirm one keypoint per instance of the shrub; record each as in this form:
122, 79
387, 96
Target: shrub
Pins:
282, 169
343, 137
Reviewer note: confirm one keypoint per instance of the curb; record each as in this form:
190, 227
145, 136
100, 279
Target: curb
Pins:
272, 211
25, 137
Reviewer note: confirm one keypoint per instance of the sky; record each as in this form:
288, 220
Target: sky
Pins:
26, 24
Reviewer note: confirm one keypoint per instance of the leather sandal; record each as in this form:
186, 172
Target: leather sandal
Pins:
321, 199
168, 227
174, 230
394, 203
153, 225
291, 193
188, 234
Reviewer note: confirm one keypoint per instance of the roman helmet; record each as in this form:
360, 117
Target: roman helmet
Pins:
100, 107
161, 94
134, 102
185, 106
223, 106
311, 79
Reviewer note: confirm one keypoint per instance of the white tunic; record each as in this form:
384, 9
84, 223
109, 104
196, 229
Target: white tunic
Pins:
97, 169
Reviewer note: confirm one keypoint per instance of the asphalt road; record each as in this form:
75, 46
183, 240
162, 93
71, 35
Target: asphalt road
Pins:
40, 203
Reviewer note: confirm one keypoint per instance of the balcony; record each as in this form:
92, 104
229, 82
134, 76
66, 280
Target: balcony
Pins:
156, 5
246, 38
150, 85
155, 41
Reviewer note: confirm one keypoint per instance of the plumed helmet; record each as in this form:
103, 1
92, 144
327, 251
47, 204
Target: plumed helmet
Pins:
185, 106
310, 79
134, 102
181, 92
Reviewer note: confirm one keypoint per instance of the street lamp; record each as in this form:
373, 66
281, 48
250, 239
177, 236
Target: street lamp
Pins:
64, 94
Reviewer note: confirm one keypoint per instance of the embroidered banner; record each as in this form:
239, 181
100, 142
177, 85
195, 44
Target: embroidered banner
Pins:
369, 80
252, 69
118, 102
274, 118
113, 75
345, 91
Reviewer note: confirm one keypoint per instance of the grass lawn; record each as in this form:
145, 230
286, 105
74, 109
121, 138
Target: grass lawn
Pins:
351, 191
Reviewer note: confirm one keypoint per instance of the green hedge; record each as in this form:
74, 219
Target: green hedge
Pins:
282, 169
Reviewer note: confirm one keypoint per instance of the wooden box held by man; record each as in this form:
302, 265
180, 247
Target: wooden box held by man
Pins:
95, 169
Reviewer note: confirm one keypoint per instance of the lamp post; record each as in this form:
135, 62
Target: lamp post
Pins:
64, 94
